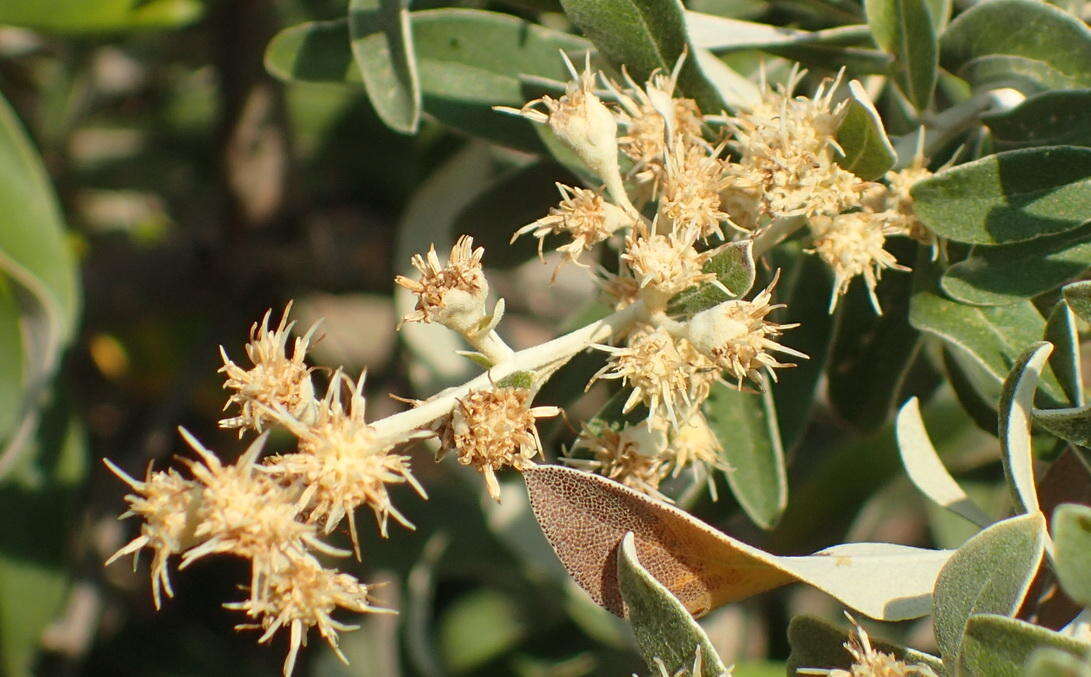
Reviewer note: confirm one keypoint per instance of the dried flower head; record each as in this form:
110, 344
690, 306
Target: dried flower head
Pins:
166, 502
690, 195
301, 594
665, 264
493, 429
454, 294
584, 215
342, 466
629, 455
738, 338
852, 245
870, 662
276, 382
664, 376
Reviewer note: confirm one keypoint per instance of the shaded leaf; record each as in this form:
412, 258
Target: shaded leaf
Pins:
719, 33
35, 258
1023, 44
1056, 118
1016, 406
663, 627
382, 43
992, 337
734, 268
817, 643
468, 61
644, 35
746, 426
1078, 297
584, 517
1065, 360
996, 645
989, 574
735, 90
477, 627
98, 16
868, 152
1072, 538
1009, 197
926, 470
905, 30
998, 275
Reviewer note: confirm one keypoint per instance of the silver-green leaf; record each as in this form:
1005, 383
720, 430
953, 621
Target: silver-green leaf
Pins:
868, 151
382, 43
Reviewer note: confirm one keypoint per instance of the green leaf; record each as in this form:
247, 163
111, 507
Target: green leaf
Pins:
1009, 197
1024, 44
478, 627
925, 469
1072, 425
905, 30
468, 61
992, 337
999, 646
817, 643
721, 34
36, 260
1065, 361
868, 152
382, 43
1072, 560
734, 268
661, 624
871, 353
1078, 297
746, 426
644, 35
991, 573
1016, 407
804, 290
1050, 662
1057, 118
40, 500
992, 276
492, 217
98, 16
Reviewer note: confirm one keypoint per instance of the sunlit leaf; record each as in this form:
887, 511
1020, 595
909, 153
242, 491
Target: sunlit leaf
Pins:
868, 152
1054, 118
905, 30
382, 42
1016, 406
1072, 537
98, 16
663, 627
1000, 646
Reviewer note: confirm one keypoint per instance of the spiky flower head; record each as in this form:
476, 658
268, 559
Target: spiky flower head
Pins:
166, 502
738, 338
342, 466
626, 454
583, 215
275, 382
787, 146
690, 194
665, 264
852, 245
650, 114
870, 662
302, 594
693, 444
454, 294
663, 374
247, 513
899, 203
494, 429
